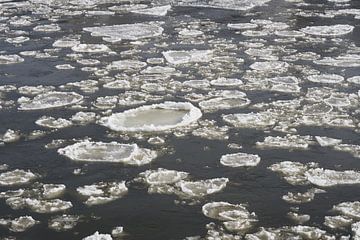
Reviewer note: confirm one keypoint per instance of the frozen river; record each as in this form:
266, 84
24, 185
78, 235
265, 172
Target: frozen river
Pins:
180, 120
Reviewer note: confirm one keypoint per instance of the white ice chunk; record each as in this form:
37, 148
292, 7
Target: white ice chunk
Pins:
328, 31
190, 56
16, 177
328, 178
10, 59
156, 117
98, 236
154, 11
240, 160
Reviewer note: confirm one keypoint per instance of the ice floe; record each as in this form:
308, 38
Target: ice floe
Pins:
63, 222
50, 122
154, 11
50, 100
87, 151
98, 236
16, 177
191, 56
328, 31
156, 117
10, 59
327, 178
240, 160
20, 224
126, 31
102, 192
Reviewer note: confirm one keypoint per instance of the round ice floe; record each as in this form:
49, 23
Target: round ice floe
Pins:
226, 82
90, 48
328, 31
221, 103
10, 59
126, 65
349, 60
240, 160
126, 31
327, 178
354, 80
338, 101
317, 109
87, 151
163, 176
50, 122
156, 117
51, 100
183, 57
16, 177
326, 78
200, 84
224, 211
242, 26
47, 206
269, 66
203, 187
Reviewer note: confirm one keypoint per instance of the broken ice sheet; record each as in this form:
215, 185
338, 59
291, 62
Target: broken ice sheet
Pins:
328, 178
103, 192
63, 222
86, 151
50, 122
154, 11
39, 205
20, 224
16, 177
153, 118
286, 142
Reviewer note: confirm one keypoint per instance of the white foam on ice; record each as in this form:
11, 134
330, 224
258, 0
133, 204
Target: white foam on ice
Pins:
156, 117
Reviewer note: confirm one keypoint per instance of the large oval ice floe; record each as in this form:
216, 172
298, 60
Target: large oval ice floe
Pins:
87, 151
126, 31
328, 178
328, 31
51, 100
156, 117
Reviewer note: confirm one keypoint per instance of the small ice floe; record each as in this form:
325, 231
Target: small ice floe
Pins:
98, 236
51, 100
134, 31
349, 209
290, 232
328, 178
63, 222
223, 103
87, 151
354, 80
350, 148
17, 40
242, 26
153, 118
226, 82
289, 33
199, 189
260, 120
35, 90
154, 11
91, 48
326, 78
292, 172
328, 31
51, 122
39, 205
117, 232
298, 198
10, 136
355, 228
66, 43
163, 181
235, 217
118, 84
190, 33
328, 142
197, 84
346, 61
16, 177
47, 28
338, 222
103, 192
298, 218
83, 118
270, 66
126, 65
189, 56
240, 5
20, 224
10, 59
287, 142
209, 130
240, 160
